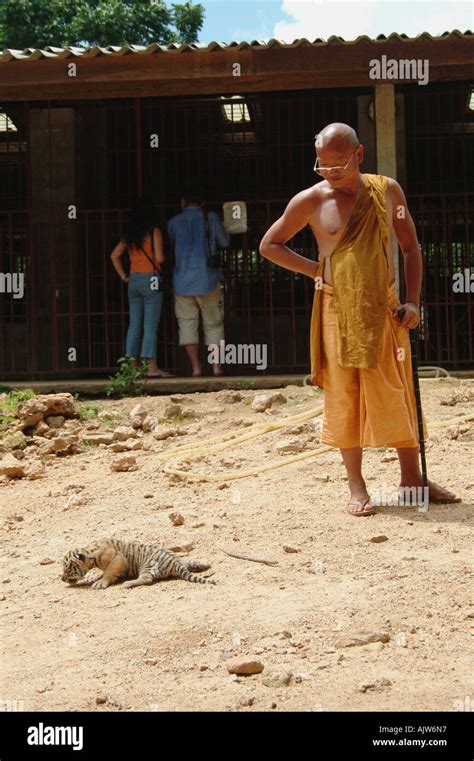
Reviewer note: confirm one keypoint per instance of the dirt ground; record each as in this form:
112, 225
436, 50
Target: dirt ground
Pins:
168, 646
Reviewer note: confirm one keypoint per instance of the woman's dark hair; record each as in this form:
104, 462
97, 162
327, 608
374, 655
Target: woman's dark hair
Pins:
141, 220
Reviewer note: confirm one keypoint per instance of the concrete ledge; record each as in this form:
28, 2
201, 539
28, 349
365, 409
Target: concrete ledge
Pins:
164, 386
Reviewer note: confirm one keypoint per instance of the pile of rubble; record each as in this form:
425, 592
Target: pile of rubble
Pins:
464, 395
44, 425
48, 425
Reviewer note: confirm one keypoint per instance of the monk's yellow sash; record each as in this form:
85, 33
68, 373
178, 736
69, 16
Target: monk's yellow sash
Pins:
359, 269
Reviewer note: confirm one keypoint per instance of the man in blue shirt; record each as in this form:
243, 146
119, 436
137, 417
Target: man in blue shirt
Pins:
197, 287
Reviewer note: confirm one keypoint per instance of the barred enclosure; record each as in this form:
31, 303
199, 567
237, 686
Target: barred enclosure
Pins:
69, 171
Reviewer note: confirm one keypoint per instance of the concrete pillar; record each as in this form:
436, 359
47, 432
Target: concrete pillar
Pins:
400, 140
386, 148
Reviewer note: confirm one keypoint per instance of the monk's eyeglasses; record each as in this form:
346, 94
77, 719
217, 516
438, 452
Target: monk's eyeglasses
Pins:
323, 170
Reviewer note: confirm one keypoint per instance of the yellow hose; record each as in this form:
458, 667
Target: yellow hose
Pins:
191, 451
425, 371
238, 435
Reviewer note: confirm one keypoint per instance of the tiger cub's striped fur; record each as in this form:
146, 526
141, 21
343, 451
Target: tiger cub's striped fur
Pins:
142, 563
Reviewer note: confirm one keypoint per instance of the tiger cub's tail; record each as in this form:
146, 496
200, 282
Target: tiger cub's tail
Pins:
183, 569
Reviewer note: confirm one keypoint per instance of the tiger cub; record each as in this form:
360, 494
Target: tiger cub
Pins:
142, 563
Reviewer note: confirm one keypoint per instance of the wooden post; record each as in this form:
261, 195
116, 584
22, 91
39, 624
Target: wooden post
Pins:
366, 133
138, 138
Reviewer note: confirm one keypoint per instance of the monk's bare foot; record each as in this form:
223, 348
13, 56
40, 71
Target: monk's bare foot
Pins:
436, 493
360, 507
440, 494
359, 503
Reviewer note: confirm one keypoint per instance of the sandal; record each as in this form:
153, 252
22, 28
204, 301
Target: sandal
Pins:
360, 509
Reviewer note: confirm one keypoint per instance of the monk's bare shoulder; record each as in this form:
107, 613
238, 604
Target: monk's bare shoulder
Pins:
318, 191
307, 199
297, 214
395, 192
396, 201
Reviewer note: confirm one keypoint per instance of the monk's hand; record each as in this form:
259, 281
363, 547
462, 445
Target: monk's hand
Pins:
408, 315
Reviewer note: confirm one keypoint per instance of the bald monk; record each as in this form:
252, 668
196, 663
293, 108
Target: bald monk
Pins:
360, 348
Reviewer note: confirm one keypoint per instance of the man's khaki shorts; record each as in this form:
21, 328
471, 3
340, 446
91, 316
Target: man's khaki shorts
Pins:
187, 310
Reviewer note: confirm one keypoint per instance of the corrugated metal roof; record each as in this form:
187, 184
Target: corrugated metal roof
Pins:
50, 52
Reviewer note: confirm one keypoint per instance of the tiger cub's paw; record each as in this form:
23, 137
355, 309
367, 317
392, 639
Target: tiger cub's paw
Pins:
100, 584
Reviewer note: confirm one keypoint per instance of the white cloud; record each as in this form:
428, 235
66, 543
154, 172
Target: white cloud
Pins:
349, 19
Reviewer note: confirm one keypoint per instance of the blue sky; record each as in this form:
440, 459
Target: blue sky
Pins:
228, 20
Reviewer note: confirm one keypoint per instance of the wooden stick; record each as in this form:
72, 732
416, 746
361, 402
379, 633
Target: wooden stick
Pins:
253, 560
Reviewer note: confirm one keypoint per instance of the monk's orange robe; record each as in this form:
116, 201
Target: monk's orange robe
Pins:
360, 355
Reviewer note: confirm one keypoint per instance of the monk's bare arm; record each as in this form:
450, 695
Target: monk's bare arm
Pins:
293, 219
406, 233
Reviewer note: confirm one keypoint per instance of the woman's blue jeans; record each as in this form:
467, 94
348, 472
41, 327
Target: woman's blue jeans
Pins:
145, 306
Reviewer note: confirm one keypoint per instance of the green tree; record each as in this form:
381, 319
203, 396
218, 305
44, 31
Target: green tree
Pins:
62, 23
